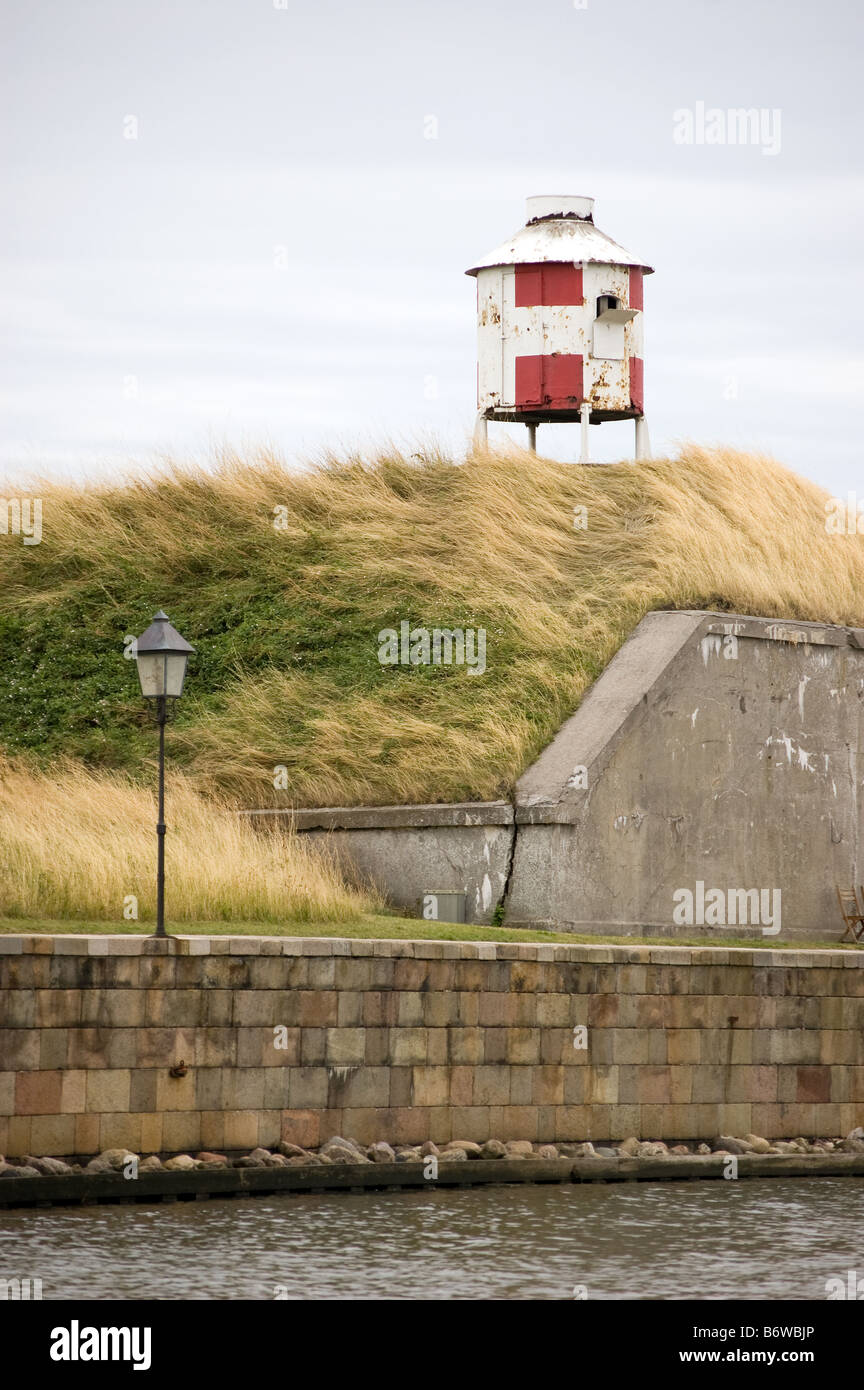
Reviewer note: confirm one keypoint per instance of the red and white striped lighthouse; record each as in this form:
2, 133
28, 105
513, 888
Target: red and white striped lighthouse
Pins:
559, 325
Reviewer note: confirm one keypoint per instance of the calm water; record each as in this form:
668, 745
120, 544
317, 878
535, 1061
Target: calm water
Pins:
712, 1240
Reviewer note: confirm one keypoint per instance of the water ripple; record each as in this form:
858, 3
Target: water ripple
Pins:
711, 1240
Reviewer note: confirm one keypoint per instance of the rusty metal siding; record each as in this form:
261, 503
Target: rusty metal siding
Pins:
489, 339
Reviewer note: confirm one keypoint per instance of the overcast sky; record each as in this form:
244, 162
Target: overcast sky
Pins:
278, 254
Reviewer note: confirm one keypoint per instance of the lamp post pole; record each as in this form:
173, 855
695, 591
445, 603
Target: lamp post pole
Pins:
161, 654
160, 824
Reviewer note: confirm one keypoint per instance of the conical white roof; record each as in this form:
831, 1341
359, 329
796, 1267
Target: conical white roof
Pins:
560, 235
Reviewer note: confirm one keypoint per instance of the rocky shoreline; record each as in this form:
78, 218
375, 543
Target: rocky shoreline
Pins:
341, 1151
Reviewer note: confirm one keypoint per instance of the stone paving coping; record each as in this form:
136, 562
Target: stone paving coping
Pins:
105, 945
410, 817
89, 1188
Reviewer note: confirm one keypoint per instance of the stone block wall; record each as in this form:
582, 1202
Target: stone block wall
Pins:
286, 1038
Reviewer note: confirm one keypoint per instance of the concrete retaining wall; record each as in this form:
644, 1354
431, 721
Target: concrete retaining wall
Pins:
409, 851
717, 750
303, 1039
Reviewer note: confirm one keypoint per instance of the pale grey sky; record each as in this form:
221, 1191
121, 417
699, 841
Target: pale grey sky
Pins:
278, 256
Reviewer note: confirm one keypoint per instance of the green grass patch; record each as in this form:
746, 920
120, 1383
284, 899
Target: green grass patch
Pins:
383, 927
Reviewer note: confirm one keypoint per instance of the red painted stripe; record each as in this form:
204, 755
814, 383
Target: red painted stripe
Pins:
637, 383
562, 379
550, 283
562, 284
637, 284
529, 286
529, 381
553, 381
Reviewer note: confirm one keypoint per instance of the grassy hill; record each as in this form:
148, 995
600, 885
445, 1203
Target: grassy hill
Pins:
286, 621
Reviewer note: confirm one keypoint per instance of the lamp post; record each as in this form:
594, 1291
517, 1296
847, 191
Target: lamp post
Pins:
161, 655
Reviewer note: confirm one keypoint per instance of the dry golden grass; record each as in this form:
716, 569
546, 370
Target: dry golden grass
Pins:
286, 622
492, 543
75, 844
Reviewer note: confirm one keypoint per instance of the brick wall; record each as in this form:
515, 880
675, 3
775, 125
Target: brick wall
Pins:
406, 1041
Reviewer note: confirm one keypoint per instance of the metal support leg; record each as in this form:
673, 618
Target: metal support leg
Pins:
481, 432
584, 419
643, 443
532, 438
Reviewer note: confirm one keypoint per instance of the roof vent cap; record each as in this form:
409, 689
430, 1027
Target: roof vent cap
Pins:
558, 205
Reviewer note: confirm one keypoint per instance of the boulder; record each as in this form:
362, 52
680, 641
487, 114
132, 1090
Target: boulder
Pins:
785, 1146
679, 1151
547, 1151
651, 1149
265, 1156
381, 1153
99, 1165
629, 1148
603, 1152
301, 1161
453, 1156
9, 1170
758, 1145
429, 1150
729, 1145
180, 1163
342, 1153
337, 1147
116, 1158
290, 1150
471, 1149
805, 1145
493, 1148
152, 1164
210, 1159
409, 1156
51, 1167
519, 1148
248, 1162
854, 1142
703, 1148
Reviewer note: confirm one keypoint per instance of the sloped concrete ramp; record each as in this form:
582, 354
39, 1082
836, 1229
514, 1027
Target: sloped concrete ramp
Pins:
710, 782
714, 750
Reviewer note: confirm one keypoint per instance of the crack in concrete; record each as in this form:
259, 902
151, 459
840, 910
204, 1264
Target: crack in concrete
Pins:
501, 905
